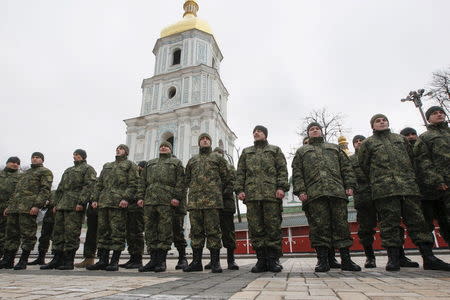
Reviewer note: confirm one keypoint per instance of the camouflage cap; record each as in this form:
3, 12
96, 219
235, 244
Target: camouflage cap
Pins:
124, 147
13, 159
261, 128
202, 136
358, 137
312, 124
81, 153
38, 154
219, 150
432, 110
408, 130
167, 144
372, 120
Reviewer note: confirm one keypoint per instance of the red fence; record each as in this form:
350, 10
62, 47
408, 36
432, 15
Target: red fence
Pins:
296, 239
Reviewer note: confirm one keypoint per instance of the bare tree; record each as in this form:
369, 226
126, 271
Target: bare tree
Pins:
332, 123
439, 89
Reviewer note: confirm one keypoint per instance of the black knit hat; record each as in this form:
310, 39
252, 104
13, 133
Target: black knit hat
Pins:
124, 147
262, 128
202, 136
81, 153
372, 120
142, 164
408, 130
432, 110
311, 125
358, 137
38, 154
14, 159
167, 144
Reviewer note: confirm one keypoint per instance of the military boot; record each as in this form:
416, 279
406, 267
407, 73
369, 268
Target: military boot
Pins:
431, 262
405, 262
393, 263
332, 259
346, 261
182, 261
40, 260
88, 261
56, 261
69, 257
261, 264
196, 264
136, 262
129, 262
161, 266
272, 257
370, 257
230, 260
103, 261
8, 260
215, 261
150, 266
22, 264
114, 263
322, 260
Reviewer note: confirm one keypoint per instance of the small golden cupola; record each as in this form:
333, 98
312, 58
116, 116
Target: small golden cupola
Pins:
343, 144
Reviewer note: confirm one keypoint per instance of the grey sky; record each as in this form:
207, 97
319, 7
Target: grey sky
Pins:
70, 71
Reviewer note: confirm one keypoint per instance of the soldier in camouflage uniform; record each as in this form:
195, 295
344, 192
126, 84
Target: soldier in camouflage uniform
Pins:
160, 189
261, 181
114, 190
207, 178
31, 193
135, 231
387, 160
46, 233
323, 179
227, 218
433, 163
71, 197
9, 177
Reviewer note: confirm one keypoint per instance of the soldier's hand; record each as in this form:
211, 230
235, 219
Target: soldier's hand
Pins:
174, 202
54, 210
5, 212
123, 204
94, 204
303, 197
442, 187
79, 207
279, 194
349, 192
140, 203
241, 196
34, 211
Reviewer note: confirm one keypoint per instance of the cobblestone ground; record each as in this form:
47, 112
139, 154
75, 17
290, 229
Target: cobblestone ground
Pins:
297, 281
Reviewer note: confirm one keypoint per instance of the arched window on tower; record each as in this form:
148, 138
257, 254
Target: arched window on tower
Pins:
176, 59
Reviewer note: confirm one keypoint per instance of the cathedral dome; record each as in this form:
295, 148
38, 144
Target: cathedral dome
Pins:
189, 21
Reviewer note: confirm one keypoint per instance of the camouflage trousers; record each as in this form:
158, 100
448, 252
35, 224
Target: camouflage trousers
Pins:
205, 225
264, 224
46, 230
367, 218
158, 227
90, 243
328, 223
20, 230
391, 210
67, 230
2, 233
228, 230
178, 231
135, 230
111, 232
438, 210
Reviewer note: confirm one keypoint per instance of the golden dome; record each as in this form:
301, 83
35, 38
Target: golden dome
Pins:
342, 140
189, 21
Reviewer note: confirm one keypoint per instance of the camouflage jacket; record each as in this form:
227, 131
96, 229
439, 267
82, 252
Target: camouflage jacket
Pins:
361, 178
162, 180
32, 190
387, 160
432, 156
8, 182
322, 169
261, 172
229, 200
75, 186
207, 178
117, 181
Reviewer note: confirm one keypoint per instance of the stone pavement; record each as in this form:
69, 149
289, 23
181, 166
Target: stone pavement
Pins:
297, 281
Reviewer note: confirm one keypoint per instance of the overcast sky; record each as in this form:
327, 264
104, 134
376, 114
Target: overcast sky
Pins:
71, 71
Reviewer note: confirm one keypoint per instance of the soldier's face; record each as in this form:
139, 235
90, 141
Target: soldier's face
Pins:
164, 150
35, 160
205, 142
77, 157
411, 137
120, 151
315, 131
437, 117
258, 135
13, 166
357, 144
380, 124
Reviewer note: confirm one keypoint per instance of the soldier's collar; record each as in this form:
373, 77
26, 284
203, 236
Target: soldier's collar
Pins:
77, 163
316, 140
6, 169
261, 143
165, 155
36, 165
439, 125
380, 132
205, 150
121, 158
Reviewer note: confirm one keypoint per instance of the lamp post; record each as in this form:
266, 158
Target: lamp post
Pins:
415, 97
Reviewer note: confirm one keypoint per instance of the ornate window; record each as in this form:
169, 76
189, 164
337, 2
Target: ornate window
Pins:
176, 57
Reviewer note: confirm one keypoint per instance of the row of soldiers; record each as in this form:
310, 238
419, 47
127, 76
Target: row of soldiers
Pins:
388, 175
